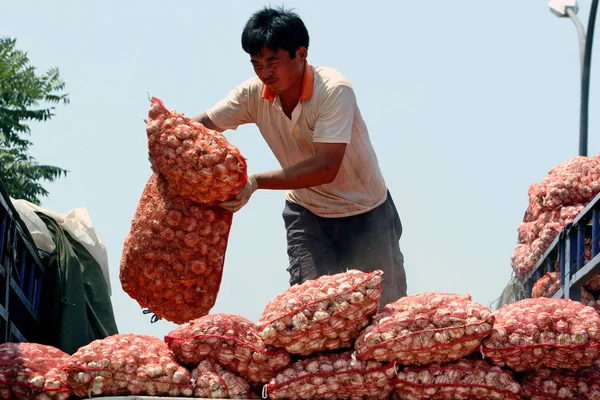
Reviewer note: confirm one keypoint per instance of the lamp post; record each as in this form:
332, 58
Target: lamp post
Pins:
569, 8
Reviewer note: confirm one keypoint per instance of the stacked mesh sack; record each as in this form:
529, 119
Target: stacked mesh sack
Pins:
172, 260
553, 203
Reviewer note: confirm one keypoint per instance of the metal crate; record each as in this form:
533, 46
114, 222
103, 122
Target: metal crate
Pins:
21, 276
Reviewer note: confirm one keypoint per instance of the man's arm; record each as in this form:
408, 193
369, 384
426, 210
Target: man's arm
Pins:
236, 109
318, 170
332, 133
205, 120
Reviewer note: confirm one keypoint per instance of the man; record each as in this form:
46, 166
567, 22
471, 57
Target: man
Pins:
338, 213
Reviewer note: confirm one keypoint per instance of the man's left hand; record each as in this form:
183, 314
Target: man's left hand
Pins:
242, 198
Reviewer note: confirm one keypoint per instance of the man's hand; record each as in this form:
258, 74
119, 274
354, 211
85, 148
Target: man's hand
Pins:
242, 197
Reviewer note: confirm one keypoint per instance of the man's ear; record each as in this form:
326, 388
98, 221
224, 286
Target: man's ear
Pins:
301, 53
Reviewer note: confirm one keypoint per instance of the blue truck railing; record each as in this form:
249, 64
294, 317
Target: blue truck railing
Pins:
21, 277
568, 250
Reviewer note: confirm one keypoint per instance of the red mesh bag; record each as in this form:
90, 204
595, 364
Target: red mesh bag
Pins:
547, 285
522, 261
463, 379
554, 202
576, 180
199, 163
549, 384
547, 236
323, 314
529, 231
425, 328
589, 300
125, 364
526, 256
172, 260
32, 371
232, 341
211, 381
332, 376
536, 195
536, 333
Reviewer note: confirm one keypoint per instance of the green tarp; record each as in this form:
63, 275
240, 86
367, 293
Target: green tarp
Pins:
76, 307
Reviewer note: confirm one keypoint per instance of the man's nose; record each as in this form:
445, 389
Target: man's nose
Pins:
266, 72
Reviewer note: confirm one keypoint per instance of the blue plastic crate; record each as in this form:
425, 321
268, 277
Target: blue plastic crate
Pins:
21, 277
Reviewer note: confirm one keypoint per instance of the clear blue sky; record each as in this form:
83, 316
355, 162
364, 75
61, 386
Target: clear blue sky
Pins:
467, 104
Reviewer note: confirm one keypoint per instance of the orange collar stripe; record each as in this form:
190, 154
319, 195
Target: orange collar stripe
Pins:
308, 81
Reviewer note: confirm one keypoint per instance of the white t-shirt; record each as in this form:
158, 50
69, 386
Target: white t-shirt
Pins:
326, 113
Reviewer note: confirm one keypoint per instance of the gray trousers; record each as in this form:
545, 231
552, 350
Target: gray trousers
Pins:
323, 246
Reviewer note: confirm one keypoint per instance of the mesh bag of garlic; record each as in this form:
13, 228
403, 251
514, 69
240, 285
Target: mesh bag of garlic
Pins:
32, 371
542, 332
526, 255
554, 202
172, 260
323, 314
535, 195
530, 231
200, 164
211, 381
547, 285
575, 181
462, 379
535, 237
332, 376
232, 341
425, 328
523, 260
127, 364
551, 384
589, 300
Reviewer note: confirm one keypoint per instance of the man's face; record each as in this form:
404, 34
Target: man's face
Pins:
277, 70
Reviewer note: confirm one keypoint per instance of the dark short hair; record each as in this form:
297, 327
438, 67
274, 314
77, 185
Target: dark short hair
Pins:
275, 29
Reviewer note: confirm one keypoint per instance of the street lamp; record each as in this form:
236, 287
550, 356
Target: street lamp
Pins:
569, 8
566, 8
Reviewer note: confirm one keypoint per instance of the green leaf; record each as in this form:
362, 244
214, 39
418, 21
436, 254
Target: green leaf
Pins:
25, 96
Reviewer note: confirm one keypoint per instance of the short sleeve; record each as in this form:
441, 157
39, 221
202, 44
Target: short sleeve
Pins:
234, 110
336, 116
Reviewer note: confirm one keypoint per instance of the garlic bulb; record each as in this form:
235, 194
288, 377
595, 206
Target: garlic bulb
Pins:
323, 314
333, 376
127, 364
232, 341
425, 328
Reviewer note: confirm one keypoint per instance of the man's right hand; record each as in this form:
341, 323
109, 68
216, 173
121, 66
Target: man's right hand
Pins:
242, 198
